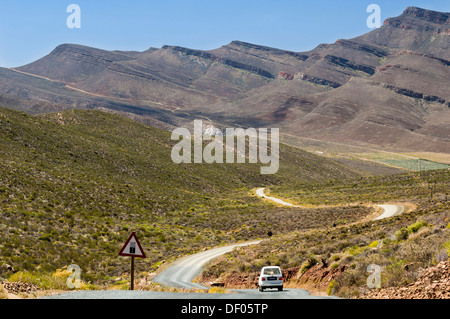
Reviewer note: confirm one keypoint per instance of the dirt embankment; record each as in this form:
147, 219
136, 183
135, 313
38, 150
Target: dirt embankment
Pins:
433, 283
316, 279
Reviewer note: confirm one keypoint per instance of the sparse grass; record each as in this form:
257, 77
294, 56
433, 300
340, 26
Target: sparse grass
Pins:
413, 228
308, 263
404, 161
374, 244
331, 288
54, 281
217, 290
356, 246
411, 187
73, 185
402, 234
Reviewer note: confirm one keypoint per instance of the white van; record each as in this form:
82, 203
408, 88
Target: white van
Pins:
270, 277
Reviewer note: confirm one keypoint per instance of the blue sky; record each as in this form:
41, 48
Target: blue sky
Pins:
32, 29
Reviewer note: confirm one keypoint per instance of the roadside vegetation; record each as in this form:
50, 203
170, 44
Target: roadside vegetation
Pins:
74, 185
412, 187
402, 245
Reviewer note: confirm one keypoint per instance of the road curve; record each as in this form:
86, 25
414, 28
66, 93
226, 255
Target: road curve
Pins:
260, 193
388, 210
183, 271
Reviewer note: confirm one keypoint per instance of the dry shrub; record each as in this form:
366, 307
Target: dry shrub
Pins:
3, 292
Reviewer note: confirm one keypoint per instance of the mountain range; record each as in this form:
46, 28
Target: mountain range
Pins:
387, 89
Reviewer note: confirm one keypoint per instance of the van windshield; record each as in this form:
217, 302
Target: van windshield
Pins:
271, 271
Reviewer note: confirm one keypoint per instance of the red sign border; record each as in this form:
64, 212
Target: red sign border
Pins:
121, 253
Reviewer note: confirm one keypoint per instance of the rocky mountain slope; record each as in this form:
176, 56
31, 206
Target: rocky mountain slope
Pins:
387, 88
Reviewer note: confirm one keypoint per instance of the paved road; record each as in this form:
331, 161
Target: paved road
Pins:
241, 294
181, 273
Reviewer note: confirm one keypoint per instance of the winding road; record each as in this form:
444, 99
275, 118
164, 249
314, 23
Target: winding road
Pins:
260, 193
389, 210
181, 273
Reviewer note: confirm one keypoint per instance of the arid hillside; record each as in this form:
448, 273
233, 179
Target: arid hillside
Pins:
387, 88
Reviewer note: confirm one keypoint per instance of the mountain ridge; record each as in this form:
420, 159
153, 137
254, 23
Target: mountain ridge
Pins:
401, 68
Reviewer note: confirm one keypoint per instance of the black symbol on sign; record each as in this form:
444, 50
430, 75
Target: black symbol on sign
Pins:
132, 248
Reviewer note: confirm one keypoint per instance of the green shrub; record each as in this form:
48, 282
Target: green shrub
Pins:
46, 237
25, 277
334, 266
356, 250
447, 247
308, 263
373, 244
330, 289
413, 228
56, 280
402, 234
3, 293
335, 258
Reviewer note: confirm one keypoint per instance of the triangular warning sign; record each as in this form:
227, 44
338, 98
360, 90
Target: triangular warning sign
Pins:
132, 248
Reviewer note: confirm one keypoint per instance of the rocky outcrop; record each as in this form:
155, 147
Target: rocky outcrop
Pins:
351, 65
415, 94
418, 19
119, 68
320, 276
88, 55
285, 76
429, 56
363, 47
316, 80
18, 287
428, 15
215, 58
433, 283
248, 46
442, 32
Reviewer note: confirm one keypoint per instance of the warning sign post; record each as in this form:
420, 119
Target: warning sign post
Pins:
132, 248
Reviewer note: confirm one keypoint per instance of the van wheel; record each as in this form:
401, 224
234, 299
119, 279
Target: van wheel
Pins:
280, 288
261, 289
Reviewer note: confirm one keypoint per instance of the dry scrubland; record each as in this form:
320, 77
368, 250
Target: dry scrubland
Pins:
334, 259
73, 185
